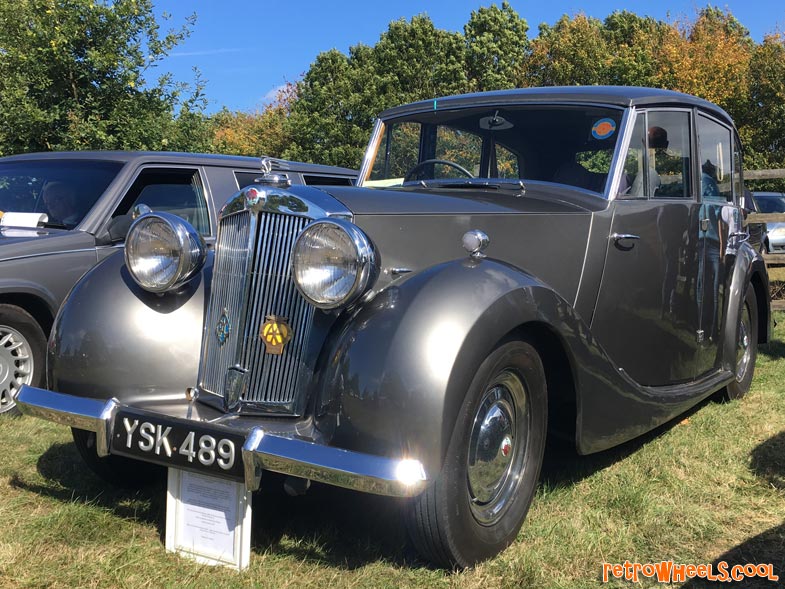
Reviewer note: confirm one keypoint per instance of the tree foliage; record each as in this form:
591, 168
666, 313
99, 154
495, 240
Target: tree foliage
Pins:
255, 133
73, 76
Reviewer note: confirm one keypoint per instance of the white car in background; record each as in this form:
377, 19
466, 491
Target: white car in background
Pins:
772, 202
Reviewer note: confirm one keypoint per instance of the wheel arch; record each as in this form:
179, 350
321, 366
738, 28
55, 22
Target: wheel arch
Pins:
760, 284
397, 374
33, 304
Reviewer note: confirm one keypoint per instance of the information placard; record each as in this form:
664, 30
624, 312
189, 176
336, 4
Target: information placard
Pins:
208, 519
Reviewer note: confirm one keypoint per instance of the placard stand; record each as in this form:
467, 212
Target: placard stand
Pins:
208, 519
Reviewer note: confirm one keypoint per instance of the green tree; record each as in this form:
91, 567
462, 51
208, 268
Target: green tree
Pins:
340, 96
497, 46
72, 76
256, 133
573, 51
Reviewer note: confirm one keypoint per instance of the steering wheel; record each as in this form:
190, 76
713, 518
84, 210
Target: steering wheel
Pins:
410, 174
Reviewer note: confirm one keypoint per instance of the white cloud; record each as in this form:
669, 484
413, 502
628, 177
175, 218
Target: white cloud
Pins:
272, 94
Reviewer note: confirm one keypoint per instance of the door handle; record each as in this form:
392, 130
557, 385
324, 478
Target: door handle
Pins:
617, 237
623, 241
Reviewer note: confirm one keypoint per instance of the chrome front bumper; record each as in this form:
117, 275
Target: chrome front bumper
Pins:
261, 451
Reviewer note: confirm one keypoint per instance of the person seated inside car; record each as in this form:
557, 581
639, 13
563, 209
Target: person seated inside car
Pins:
61, 204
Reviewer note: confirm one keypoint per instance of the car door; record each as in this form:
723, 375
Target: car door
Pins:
646, 317
720, 231
179, 190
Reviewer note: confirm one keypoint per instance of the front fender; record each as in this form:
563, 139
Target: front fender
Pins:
111, 338
399, 368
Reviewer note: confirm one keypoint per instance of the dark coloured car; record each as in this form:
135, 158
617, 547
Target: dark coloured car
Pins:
555, 260
65, 211
772, 202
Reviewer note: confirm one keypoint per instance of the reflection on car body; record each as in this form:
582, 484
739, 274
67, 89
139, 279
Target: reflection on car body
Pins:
511, 262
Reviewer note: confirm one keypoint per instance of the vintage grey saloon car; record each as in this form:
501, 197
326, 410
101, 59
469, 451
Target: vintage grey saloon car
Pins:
63, 212
512, 264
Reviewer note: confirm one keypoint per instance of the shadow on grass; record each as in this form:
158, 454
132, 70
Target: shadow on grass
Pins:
73, 481
775, 349
765, 548
328, 526
767, 461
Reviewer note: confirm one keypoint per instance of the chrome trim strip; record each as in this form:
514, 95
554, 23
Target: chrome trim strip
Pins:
365, 168
262, 451
619, 158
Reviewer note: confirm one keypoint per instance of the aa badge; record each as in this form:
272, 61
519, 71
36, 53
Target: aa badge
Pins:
275, 334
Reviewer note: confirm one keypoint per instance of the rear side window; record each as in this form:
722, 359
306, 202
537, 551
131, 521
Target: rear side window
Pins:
176, 191
715, 162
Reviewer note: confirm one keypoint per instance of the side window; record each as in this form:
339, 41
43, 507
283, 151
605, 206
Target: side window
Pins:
176, 191
668, 154
715, 159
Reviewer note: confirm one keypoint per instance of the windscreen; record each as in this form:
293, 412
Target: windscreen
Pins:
572, 145
65, 190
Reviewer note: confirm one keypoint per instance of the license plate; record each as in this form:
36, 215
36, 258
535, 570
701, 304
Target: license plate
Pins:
189, 446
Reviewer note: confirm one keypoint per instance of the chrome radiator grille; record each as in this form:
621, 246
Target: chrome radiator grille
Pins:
251, 280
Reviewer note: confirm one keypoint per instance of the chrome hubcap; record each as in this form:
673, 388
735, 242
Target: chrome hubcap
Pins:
497, 448
743, 350
16, 366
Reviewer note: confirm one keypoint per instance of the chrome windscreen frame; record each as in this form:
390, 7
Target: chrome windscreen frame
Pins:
370, 151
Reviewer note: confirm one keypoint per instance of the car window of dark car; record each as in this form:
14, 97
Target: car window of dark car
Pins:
177, 191
63, 189
716, 171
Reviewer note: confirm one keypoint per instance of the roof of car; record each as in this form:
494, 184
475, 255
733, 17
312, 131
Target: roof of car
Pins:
175, 157
622, 96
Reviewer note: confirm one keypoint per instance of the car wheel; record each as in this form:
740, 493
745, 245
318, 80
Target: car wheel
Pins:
22, 348
116, 470
746, 348
476, 505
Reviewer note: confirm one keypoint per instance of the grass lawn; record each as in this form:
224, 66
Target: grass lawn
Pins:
709, 487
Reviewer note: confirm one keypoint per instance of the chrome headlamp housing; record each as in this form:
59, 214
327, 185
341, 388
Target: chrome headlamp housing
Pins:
163, 251
333, 263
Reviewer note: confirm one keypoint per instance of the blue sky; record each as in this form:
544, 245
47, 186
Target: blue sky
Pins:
245, 49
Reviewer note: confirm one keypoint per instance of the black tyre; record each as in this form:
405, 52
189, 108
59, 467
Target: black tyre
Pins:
477, 504
22, 349
116, 470
746, 348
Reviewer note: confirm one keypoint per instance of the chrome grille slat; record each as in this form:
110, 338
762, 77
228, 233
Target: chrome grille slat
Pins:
261, 287
227, 293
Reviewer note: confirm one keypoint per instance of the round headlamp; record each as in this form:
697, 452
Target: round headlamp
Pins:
333, 263
163, 251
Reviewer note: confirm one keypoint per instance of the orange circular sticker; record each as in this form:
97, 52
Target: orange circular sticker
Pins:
603, 128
